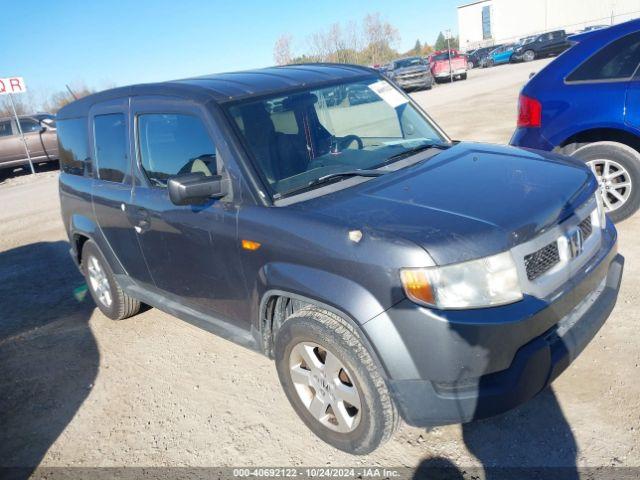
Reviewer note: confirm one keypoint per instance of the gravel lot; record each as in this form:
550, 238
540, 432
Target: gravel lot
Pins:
77, 389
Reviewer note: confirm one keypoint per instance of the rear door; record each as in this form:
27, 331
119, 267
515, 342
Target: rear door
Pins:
192, 251
631, 46
112, 185
11, 146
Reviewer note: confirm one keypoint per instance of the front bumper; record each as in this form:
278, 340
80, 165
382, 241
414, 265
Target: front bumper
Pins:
458, 366
447, 74
416, 82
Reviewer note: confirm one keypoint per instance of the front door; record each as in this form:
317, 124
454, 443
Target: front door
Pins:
111, 186
32, 129
191, 251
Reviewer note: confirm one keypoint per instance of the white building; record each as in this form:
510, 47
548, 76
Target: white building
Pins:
486, 22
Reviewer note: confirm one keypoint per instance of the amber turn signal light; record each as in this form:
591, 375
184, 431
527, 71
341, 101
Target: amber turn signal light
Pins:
416, 286
250, 245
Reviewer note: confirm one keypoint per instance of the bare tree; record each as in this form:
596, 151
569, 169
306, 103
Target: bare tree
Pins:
22, 101
380, 36
320, 47
374, 43
59, 99
282, 50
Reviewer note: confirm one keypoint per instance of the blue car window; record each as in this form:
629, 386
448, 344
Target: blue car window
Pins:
616, 61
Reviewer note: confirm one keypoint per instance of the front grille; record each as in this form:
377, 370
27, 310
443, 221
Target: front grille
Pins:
585, 227
538, 263
411, 76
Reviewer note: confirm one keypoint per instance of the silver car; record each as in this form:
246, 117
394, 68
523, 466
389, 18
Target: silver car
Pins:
40, 135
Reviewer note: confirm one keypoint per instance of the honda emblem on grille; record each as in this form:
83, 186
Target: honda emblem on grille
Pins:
575, 242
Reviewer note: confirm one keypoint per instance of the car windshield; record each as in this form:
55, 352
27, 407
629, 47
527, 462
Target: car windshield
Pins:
304, 136
408, 62
444, 56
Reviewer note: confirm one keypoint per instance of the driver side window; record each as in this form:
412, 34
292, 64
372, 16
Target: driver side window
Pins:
172, 144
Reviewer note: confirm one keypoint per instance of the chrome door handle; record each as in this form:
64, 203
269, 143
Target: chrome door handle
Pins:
138, 229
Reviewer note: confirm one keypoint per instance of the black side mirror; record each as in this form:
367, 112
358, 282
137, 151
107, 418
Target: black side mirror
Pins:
46, 124
195, 188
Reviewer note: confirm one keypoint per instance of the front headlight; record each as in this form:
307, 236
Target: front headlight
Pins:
479, 283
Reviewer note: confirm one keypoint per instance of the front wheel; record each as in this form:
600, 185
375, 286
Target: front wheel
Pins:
333, 382
617, 168
529, 56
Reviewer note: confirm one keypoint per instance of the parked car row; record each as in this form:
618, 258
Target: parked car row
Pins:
525, 50
411, 73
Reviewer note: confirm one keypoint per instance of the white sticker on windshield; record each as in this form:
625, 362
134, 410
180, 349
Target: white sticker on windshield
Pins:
390, 95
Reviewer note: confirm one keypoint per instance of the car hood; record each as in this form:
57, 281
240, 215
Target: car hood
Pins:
409, 70
469, 201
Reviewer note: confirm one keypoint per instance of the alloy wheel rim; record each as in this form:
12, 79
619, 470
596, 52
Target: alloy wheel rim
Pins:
325, 387
528, 55
99, 282
614, 182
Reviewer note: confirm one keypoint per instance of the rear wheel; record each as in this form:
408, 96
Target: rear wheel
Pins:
617, 168
109, 297
463, 76
332, 381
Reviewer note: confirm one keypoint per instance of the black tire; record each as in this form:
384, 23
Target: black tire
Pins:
463, 76
626, 157
122, 305
470, 65
378, 415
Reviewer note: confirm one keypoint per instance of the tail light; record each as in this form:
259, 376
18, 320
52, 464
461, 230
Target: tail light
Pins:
529, 112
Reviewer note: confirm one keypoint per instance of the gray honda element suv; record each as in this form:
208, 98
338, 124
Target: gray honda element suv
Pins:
389, 271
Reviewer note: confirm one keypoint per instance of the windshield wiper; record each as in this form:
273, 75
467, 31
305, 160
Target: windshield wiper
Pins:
418, 149
331, 176
348, 173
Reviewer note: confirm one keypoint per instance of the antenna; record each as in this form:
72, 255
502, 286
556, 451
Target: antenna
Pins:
71, 92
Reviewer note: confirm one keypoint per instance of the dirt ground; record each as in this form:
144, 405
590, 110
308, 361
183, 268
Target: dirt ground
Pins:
77, 389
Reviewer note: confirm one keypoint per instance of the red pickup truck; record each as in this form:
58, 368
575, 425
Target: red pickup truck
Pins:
447, 63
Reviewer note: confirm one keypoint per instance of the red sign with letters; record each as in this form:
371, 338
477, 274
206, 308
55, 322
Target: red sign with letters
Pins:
12, 85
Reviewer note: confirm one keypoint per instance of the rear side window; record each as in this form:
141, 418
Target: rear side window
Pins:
112, 159
5, 129
174, 144
616, 61
73, 147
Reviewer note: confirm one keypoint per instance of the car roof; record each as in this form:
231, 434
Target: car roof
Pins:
4, 119
224, 87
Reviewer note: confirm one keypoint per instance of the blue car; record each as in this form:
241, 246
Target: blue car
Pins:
586, 104
500, 55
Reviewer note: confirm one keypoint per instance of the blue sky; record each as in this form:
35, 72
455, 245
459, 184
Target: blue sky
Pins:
117, 42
